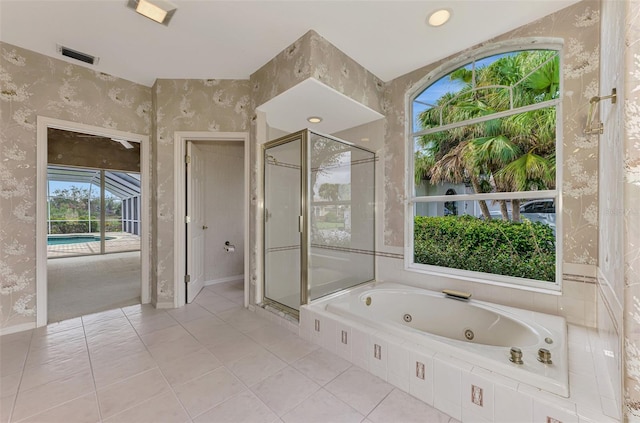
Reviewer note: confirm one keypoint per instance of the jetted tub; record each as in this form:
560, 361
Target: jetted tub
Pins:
444, 325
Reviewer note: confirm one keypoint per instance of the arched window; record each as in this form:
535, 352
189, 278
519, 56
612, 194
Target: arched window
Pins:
486, 133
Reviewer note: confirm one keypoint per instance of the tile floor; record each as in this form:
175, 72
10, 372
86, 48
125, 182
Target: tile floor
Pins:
211, 361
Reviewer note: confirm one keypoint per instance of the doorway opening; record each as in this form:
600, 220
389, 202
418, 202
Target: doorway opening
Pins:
211, 245
92, 220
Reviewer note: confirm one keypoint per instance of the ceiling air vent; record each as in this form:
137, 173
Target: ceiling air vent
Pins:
74, 54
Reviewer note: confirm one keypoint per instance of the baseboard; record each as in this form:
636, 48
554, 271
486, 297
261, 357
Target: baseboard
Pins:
223, 280
17, 328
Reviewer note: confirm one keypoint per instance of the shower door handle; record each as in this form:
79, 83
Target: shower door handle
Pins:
300, 224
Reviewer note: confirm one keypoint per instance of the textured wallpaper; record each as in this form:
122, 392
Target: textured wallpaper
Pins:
186, 105
311, 56
579, 27
32, 85
631, 97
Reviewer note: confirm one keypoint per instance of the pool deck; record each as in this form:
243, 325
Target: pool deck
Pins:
122, 242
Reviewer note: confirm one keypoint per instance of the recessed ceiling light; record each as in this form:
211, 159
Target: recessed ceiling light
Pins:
314, 119
160, 11
365, 139
439, 17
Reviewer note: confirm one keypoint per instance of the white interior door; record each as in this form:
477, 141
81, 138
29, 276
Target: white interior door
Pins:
196, 226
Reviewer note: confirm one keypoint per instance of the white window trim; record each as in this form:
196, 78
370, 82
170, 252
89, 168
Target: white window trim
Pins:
473, 276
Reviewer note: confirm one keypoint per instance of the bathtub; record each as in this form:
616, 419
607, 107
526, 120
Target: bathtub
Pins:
477, 332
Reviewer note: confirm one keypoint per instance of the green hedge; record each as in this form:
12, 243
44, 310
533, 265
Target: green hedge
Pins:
525, 250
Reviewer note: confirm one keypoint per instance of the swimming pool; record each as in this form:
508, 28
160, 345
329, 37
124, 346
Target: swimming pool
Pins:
73, 239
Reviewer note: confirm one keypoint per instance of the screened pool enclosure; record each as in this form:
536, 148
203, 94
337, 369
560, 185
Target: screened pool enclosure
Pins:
92, 211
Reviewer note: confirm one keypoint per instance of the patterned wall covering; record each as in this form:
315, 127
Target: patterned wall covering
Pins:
311, 56
578, 25
187, 105
32, 85
631, 98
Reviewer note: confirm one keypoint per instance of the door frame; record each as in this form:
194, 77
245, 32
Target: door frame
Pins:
179, 231
43, 124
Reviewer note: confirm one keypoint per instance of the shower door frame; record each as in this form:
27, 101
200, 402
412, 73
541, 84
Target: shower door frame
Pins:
303, 136
305, 215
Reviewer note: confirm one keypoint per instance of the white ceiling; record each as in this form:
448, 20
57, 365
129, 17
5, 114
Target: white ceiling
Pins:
233, 39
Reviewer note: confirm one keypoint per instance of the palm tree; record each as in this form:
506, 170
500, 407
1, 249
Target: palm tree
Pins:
515, 153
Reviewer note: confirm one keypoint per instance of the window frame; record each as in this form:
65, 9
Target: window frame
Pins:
411, 199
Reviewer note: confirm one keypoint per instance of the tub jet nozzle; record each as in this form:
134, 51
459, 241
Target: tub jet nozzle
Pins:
516, 355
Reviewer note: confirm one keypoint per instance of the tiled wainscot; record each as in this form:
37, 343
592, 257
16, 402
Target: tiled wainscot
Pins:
461, 389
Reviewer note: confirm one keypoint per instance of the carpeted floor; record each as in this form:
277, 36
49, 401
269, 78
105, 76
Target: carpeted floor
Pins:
83, 285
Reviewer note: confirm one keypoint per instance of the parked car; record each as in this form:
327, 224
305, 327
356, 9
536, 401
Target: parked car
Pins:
543, 211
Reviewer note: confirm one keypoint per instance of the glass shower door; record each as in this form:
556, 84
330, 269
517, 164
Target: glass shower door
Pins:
282, 211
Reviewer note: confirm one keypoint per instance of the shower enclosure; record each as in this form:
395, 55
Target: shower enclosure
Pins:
318, 218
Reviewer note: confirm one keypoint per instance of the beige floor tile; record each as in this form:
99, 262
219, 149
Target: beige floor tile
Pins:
105, 331
14, 356
256, 366
323, 407
402, 407
142, 309
102, 316
321, 366
6, 405
23, 336
235, 348
146, 324
189, 313
207, 332
118, 368
163, 353
209, 329
79, 410
169, 334
190, 366
244, 407
207, 391
56, 352
161, 409
228, 288
284, 390
129, 392
217, 304
42, 397
292, 349
243, 319
53, 370
58, 326
270, 334
9, 384
359, 389
56, 338
120, 348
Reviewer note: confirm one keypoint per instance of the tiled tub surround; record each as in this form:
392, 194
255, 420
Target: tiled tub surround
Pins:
442, 324
460, 387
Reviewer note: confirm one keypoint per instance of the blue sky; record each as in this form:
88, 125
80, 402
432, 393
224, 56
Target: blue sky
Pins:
445, 85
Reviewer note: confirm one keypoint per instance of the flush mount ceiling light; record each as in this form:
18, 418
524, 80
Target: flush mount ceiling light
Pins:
314, 119
439, 17
160, 11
